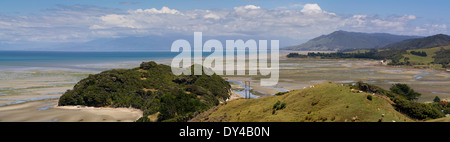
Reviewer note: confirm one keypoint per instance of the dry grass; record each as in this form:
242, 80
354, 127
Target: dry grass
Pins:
324, 102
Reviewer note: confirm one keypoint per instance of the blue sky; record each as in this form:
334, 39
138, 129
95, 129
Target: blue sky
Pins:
297, 20
423, 8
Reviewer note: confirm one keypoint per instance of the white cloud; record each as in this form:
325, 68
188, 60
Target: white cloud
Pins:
311, 8
97, 27
118, 21
164, 10
251, 7
82, 23
212, 16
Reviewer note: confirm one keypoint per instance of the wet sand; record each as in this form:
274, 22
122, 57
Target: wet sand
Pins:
47, 111
301, 73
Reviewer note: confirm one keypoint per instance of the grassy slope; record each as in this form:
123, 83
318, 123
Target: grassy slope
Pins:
333, 103
424, 60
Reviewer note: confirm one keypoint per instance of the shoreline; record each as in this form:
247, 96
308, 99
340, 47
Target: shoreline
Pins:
48, 111
295, 74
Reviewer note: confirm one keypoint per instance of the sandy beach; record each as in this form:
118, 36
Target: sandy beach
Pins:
47, 111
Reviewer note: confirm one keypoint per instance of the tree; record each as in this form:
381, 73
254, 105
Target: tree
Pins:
405, 91
436, 99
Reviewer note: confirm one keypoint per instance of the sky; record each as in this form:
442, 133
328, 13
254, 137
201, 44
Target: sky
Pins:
297, 20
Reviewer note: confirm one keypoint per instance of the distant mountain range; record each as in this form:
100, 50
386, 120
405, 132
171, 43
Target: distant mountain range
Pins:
131, 43
421, 43
342, 40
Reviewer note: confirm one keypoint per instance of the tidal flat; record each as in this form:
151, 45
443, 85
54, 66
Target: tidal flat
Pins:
31, 94
302, 73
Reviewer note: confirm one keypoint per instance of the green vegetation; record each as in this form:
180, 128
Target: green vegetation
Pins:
279, 106
400, 101
296, 55
369, 97
324, 102
436, 99
420, 53
405, 91
143, 119
421, 43
152, 88
437, 57
281, 93
443, 57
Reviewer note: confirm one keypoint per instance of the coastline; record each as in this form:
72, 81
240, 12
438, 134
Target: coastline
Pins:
294, 74
48, 111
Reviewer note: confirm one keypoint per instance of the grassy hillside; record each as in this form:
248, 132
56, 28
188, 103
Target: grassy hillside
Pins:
424, 62
324, 102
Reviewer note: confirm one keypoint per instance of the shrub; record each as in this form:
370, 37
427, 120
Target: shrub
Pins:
419, 53
279, 106
369, 97
436, 99
275, 106
281, 93
282, 106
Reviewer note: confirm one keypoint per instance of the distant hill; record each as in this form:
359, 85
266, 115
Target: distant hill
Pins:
324, 102
421, 43
130, 43
341, 40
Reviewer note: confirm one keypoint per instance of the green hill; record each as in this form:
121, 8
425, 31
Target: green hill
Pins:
152, 88
342, 40
431, 60
324, 102
421, 43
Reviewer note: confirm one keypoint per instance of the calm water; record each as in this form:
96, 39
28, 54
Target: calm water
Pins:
41, 75
21, 59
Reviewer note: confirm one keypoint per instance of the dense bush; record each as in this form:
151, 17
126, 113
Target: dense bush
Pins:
415, 109
405, 91
151, 88
419, 53
296, 55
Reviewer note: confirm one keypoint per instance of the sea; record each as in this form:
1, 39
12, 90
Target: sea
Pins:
27, 76
77, 60
41, 75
